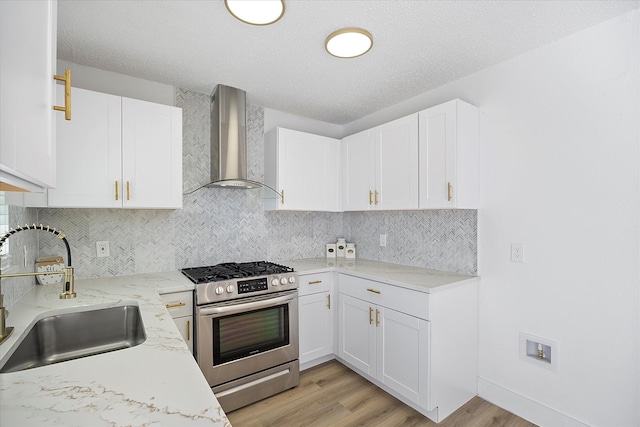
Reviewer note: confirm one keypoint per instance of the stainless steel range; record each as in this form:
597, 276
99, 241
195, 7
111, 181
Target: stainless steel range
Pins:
246, 321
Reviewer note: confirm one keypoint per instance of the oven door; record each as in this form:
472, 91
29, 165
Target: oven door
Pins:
242, 337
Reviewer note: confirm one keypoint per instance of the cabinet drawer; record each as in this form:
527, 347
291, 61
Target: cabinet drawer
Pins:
179, 303
401, 299
314, 283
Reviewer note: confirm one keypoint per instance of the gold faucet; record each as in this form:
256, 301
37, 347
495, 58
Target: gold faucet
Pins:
68, 287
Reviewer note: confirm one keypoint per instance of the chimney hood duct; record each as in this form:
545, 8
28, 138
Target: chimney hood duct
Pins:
229, 141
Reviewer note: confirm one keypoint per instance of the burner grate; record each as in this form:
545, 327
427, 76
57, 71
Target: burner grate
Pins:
232, 270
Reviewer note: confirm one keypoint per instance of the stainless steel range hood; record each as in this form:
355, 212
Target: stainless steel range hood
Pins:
229, 142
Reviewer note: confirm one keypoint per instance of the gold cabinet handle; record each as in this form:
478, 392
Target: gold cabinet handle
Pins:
315, 282
116, 190
188, 330
448, 191
67, 94
376, 193
128, 191
176, 304
375, 291
282, 197
370, 197
377, 317
329, 301
370, 315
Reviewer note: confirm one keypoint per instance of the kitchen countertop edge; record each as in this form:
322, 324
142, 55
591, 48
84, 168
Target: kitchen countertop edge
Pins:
409, 277
157, 382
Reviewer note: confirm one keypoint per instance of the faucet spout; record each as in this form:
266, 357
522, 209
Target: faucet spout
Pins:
68, 289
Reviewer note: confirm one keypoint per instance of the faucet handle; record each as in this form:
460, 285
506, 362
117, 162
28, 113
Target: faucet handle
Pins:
68, 291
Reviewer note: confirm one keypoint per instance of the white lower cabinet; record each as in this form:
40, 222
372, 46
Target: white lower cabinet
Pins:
420, 347
180, 307
315, 316
387, 345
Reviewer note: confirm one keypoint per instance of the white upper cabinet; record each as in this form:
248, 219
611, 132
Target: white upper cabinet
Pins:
358, 176
151, 155
397, 164
449, 157
119, 153
27, 67
305, 169
381, 167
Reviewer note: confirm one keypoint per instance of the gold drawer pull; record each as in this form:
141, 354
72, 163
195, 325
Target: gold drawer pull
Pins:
67, 94
282, 197
374, 291
188, 330
176, 304
116, 190
370, 197
376, 198
128, 192
370, 315
329, 301
315, 282
377, 318
448, 191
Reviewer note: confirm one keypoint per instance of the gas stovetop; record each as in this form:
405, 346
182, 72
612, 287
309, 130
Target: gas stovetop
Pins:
233, 270
239, 280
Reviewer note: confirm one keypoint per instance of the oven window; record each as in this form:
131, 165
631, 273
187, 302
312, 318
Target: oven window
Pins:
244, 334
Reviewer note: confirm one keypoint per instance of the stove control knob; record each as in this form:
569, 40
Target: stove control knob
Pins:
219, 290
283, 281
230, 289
275, 282
292, 279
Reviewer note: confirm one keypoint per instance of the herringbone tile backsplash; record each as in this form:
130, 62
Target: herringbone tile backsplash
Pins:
222, 225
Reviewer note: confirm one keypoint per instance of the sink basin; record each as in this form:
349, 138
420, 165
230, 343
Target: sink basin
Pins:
67, 336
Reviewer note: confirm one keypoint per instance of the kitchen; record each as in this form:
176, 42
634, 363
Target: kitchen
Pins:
542, 182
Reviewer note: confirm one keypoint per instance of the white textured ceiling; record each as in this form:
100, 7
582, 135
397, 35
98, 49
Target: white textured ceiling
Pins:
418, 45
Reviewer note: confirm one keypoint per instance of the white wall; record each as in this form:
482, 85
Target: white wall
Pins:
560, 173
275, 118
117, 84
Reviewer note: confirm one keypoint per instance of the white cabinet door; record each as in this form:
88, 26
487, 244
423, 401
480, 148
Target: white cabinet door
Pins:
89, 164
356, 334
449, 157
151, 155
381, 167
316, 326
185, 326
403, 358
27, 65
358, 173
397, 164
118, 152
305, 169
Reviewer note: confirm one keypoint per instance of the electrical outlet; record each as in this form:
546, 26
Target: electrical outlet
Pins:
517, 252
383, 240
102, 249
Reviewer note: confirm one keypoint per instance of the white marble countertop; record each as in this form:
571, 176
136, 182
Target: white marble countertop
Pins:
155, 383
419, 279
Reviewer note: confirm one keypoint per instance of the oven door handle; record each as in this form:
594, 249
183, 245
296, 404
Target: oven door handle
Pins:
269, 302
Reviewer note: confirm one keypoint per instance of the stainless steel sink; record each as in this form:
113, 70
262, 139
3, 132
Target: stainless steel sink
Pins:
67, 336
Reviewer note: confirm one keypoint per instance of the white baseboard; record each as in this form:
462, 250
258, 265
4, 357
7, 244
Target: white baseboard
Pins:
524, 407
315, 362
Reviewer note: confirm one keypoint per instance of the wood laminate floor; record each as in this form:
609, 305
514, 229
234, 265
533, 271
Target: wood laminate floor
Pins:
332, 395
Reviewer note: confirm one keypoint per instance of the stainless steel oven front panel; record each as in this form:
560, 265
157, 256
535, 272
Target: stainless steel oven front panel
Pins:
220, 373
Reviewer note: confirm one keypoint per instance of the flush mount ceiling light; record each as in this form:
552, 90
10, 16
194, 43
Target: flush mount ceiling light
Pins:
256, 12
349, 42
